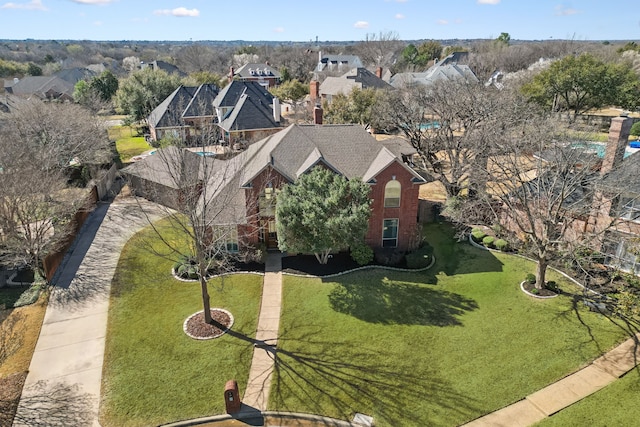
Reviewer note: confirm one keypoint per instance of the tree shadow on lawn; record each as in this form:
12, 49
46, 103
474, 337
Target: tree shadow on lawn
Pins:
388, 301
344, 379
338, 379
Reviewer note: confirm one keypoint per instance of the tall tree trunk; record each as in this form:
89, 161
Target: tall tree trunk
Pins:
541, 271
202, 274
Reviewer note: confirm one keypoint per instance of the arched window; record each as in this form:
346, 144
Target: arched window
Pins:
392, 194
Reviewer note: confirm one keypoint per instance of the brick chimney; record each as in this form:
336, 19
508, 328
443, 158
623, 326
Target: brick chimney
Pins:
618, 140
314, 91
232, 72
317, 115
379, 72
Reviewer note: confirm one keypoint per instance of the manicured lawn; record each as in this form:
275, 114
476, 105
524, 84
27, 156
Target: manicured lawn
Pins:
615, 405
435, 348
153, 372
127, 143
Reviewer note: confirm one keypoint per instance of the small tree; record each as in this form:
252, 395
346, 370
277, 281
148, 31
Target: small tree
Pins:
321, 212
143, 91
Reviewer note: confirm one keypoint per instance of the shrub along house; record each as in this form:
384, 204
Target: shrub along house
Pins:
246, 185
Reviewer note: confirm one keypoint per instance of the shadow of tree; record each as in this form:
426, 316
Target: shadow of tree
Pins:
394, 302
43, 404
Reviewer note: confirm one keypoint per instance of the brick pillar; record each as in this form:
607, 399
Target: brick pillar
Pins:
379, 72
314, 91
618, 140
317, 115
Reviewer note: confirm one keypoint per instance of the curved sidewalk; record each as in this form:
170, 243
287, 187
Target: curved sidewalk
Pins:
63, 383
567, 391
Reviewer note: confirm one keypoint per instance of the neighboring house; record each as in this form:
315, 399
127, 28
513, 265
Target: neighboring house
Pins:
246, 184
184, 113
360, 78
42, 87
74, 75
264, 74
162, 65
445, 70
337, 63
246, 111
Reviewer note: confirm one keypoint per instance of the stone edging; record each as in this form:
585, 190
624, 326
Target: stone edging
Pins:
231, 320
534, 295
365, 267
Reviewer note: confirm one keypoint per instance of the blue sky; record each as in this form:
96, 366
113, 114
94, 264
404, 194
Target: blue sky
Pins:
328, 20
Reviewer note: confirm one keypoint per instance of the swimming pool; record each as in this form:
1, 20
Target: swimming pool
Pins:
599, 148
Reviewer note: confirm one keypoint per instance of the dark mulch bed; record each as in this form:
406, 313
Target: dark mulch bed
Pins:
338, 263
544, 292
197, 328
248, 266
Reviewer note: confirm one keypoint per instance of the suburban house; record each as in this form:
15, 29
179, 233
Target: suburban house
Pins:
42, 87
337, 63
446, 70
360, 78
240, 193
184, 114
246, 111
264, 74
162, 65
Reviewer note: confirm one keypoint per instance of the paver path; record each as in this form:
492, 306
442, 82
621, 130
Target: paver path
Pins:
63, 384
256, 395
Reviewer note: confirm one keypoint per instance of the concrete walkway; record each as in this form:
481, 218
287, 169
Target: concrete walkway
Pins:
256, 395
561, 394
63, 384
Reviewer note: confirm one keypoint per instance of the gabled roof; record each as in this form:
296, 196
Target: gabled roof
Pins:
201, 104
169, 112
249, 113
74, 75
448, 70
254, 70
625, 178
330, 61
39, 85
231, 93
358, 77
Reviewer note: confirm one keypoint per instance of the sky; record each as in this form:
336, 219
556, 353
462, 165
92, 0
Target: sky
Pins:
324, 20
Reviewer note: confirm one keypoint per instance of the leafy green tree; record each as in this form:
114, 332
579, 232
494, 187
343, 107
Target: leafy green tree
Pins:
578, 84
11, 68
143, 91
285, 75
357, 107
430, 49
504, 39
290, 91
106, 85
421, 55
321, 212
33, 69
205, 77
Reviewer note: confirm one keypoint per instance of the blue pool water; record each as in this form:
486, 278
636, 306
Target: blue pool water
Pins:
599, 148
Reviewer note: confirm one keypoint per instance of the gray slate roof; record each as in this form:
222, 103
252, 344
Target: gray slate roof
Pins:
338, 61
247, 104
625, 178
445, 70
254, 70
357, 77
40, 85
184, 102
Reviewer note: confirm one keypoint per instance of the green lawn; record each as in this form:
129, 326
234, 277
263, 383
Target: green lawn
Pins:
615, 405
154, 373
128, 144
434, 348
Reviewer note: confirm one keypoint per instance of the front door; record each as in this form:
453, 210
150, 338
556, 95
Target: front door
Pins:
270, 234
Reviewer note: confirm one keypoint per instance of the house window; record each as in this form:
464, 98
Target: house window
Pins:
623, 254
630, 209
267, 202
226, 239
390, 233
392, 194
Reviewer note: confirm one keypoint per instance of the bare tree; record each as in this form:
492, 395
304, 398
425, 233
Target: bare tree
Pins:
195, 58
39, 143
380, 49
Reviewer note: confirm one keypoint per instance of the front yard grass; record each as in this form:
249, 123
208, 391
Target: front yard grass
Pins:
128, 144
153, 373
435, 348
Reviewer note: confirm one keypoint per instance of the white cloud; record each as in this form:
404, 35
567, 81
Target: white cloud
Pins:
32, 5
93, 1
179, 11
98, 23
562, 10
488, 1
278, 30
399, 16
361, 24
442, 22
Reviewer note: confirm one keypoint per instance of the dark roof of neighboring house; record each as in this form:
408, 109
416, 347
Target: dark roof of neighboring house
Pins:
231, 93
626, 177
448, 69
254, 70
357, 77
455, 57
184, 102
40, 85
249, 113
74, 75
165, 66
337, 60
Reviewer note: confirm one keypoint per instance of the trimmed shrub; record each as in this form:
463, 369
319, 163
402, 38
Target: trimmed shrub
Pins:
501, 244
420, 258
552, 286
478, 235
362, 254
635, 129
388, 256
488, 241
531, 278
